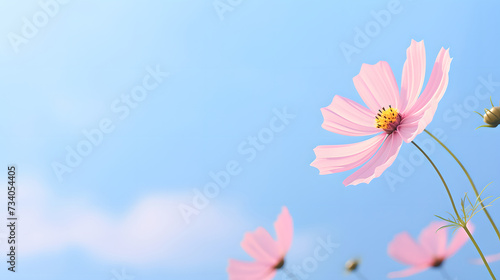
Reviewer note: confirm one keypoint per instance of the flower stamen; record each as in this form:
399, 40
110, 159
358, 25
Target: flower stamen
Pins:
387, 119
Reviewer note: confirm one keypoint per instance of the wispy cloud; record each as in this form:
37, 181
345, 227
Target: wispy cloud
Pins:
151, 233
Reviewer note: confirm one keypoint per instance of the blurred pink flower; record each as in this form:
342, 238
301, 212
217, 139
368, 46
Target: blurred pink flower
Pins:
399, 114
269, 254
430, 251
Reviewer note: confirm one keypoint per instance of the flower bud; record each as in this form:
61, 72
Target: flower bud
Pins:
491, 116
351, 265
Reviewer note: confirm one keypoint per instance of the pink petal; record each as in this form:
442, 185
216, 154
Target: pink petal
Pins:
378, 163
437, 84
339, 158
406, 251
261, 246
240, 267
268, 277
434, 241
426, 105
377, 86
459, 240
346, 117
284, 231
413, 74
407, 272
239, 270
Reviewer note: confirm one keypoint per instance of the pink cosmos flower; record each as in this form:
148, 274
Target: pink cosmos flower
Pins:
269, 254
430, 251
394, 115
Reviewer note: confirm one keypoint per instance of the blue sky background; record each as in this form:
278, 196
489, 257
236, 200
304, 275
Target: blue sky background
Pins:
118, 209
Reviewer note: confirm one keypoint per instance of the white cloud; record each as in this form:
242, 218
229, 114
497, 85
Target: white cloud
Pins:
151, 233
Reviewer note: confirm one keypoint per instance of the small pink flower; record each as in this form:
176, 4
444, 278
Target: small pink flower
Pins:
395, 115
269, 254
430, 251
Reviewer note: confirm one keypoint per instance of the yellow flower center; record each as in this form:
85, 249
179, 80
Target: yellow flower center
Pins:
386, 117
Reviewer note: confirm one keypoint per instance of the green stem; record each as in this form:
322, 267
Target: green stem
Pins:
480, 253
360, 276
440, 176
445, 274
471, 182
455, 209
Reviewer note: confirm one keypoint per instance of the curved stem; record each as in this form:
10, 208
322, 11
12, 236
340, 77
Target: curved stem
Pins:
480, 253
470, 180
440, 176
456, 212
